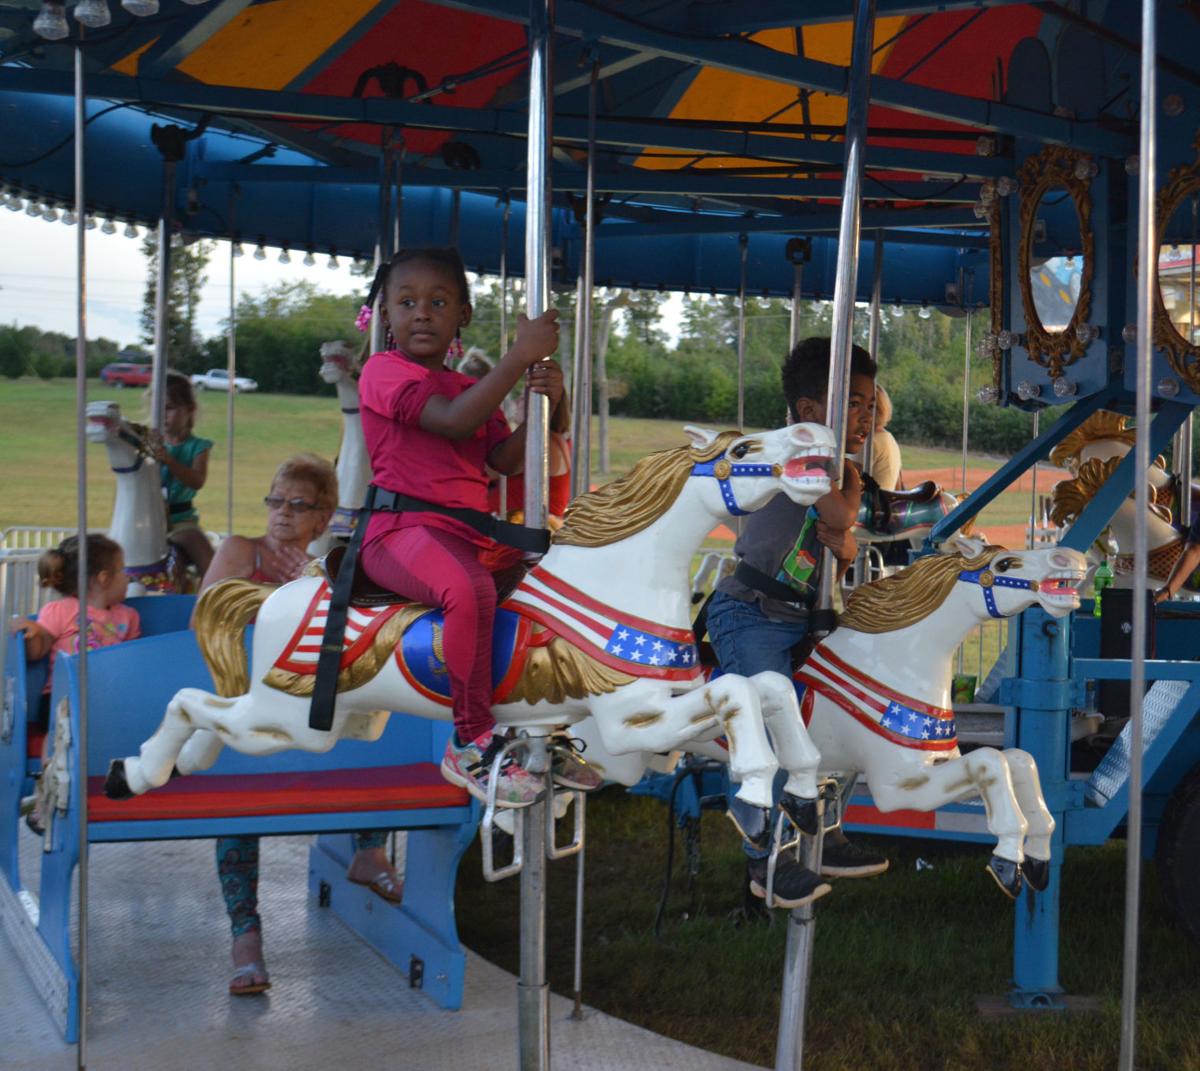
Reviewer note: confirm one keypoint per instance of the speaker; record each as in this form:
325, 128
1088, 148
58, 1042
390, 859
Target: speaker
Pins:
1116, 641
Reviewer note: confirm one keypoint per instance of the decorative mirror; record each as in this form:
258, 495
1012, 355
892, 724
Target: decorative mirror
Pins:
1056, 257
1176, 317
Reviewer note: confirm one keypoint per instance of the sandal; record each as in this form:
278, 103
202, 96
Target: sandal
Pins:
387, 885
248, 971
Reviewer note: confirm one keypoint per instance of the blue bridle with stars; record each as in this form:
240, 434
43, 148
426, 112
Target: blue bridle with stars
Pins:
722, 470
987, 580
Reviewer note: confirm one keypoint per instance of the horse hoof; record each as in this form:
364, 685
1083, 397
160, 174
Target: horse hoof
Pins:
115, 785
753, 823
802, 812
1007, 875
1036, 873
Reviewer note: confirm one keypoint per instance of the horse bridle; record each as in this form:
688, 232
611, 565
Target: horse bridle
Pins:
723, 470
139, 444
987, 580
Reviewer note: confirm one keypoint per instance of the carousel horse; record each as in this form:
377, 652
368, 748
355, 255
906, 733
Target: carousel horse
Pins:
886, 516
1165, 544
600, 628
139, 519
339, 367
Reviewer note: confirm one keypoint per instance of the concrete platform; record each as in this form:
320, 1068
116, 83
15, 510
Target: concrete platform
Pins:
159, 970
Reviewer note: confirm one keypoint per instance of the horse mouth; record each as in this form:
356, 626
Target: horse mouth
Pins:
808, 467
1062, 586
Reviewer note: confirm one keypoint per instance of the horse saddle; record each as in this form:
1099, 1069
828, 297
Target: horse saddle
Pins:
365, 592
890, 511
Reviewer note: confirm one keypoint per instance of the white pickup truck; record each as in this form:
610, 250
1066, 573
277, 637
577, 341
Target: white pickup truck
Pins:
218, 379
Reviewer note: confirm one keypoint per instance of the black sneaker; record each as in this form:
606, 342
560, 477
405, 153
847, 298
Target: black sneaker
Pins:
842, 859
795, 884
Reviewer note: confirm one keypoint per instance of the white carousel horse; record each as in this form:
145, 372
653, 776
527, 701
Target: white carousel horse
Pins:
339, 367
601, 627
139, 519
876, 692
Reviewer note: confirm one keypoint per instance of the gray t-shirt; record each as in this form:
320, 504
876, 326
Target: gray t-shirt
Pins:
780, 540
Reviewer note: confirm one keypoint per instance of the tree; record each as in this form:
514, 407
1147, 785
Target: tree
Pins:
187, 279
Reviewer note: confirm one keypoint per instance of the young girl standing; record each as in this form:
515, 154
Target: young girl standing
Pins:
430, 432
184, 459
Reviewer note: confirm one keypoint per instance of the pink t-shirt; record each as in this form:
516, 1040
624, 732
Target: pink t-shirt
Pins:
105, 627
407, 459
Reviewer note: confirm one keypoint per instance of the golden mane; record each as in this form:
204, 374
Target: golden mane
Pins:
911, 595
1069, 497
635, 501
1101, 425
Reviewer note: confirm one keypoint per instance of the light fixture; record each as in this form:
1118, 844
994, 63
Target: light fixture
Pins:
1086, 333
50, 213
333, 261
237, 249
987, 345
1086, 168
1063, 387
91, 223
1132, 163
897, 309
33, 208
284, 256
1006, 185
69, 218
309, 259
1129, 334
109, 226
1168, 386
985, 145
1027, 391
1006, 339
15, 204
51, 21
981, 210
925, 312
260, 252
93, 13
362, 266
988, 395
140, 8
131, 231
987, 193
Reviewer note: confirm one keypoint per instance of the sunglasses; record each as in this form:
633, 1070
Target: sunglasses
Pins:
296, 505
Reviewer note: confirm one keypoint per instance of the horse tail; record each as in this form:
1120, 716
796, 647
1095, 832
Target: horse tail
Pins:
222, 614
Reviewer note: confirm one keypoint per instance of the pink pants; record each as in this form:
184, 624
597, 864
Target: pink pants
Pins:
440, 568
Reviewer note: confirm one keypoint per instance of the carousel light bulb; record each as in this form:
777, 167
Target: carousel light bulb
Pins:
15, 204
50, 213
988, 395
333, 262
1086, 168
33, 208
309, 259
985, 145
1027, 391
1006, 185
1168, 387
284, 256
260, 252
51, 21
1006, 339
897, 309
140, 8
109, 227
237, 250
1086, 333
130, 230
93, 13
69, 218
981, 210
1063, 387
1129, 334
987, 193
925, 312
91, 223
1132, 163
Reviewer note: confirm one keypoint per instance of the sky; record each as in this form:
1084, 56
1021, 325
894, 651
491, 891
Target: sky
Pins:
37, 280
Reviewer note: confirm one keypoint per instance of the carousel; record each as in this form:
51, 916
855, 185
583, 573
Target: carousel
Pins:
1030, 168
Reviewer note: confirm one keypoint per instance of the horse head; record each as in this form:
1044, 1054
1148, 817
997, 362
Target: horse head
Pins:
753, 468
1013, 580
125, 441
337, 362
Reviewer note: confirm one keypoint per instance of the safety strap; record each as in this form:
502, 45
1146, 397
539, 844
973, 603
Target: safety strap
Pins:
757, 580
532, 540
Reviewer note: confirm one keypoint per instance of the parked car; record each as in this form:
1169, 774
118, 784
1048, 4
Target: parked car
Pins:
125, 374
218, 379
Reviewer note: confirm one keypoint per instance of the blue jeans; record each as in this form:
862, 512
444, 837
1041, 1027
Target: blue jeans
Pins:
747, 642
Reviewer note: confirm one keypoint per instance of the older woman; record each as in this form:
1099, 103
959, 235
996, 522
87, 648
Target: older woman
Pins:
301, 502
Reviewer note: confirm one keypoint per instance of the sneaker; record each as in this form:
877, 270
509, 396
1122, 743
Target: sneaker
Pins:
795, 884
470, 766
569, 768
842, 859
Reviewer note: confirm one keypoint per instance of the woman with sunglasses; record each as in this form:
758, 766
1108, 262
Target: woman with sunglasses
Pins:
299, 506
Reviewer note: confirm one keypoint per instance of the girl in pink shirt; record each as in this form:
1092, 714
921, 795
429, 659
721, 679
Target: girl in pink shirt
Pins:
431, 434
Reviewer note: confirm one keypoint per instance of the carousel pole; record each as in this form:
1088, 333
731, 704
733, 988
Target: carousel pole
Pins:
1147, 282
504, 276
533, 991
743, 253
966, 417
581, 444
387, 232
797, 286
158, 389
789, 1048
81, 507
1033, 475
868, 455
231, 366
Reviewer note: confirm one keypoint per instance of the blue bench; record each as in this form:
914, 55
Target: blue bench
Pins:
348, 789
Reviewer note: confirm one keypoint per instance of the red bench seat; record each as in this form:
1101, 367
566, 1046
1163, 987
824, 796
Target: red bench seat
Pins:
371, 788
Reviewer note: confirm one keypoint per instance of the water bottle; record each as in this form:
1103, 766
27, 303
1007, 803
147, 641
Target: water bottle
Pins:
1102, 579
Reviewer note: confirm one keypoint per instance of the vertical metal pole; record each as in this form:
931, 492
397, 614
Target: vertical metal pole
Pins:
231, 365
966, 410
455, 211
577, 1010
581, 445
1033, 474
868, 456
533, 991
504, 277
794, 317
1184, 467
1147, 281
158, 389
842, 333
743, 253
81, 505
385, 231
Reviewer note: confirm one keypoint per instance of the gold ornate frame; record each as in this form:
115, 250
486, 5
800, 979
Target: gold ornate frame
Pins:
1182, 355
1054, 166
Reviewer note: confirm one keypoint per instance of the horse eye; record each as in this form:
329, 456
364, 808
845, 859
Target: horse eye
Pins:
1004, 564
740, 450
